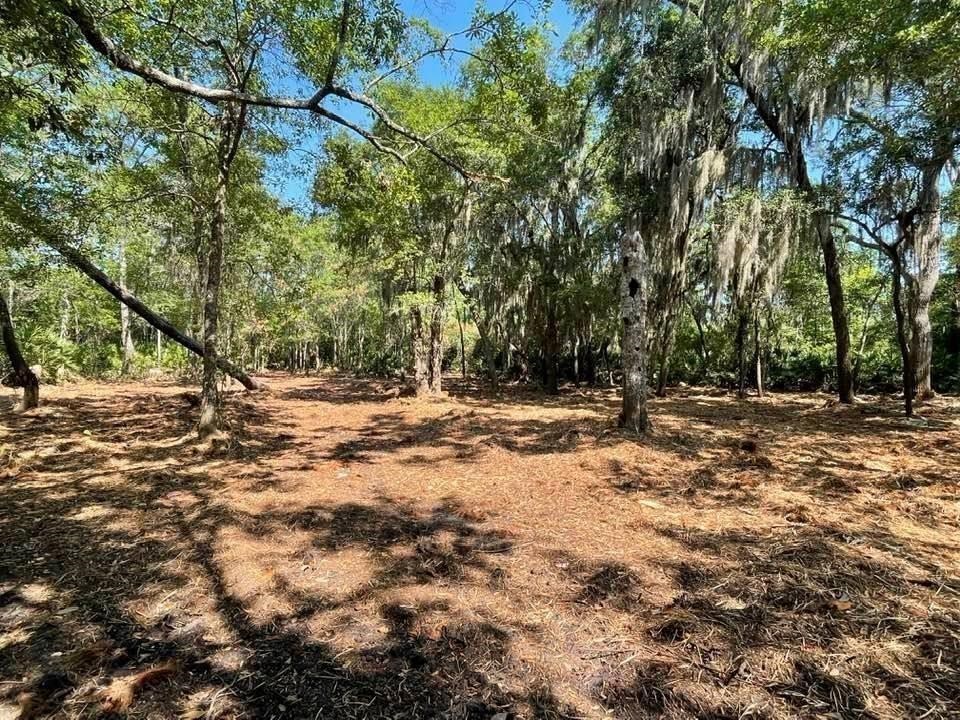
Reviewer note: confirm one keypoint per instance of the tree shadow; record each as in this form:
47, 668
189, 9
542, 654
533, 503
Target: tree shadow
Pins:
832, 616
340, 389
103, 580
121, 555
467, 435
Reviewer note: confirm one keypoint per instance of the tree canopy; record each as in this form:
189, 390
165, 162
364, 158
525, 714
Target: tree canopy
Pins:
747, 193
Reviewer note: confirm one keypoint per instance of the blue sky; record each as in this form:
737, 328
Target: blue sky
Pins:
290, 177
450, 16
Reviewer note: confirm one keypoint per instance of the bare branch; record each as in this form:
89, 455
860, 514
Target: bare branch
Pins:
76, 11
365, 134
443, 47
874, 233
385, 118
442, 50
341, 41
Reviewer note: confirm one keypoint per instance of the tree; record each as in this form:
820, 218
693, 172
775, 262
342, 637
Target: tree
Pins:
732, 33
633, 314
22, 375
898, 67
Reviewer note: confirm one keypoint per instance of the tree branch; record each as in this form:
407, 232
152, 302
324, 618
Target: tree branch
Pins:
86, 23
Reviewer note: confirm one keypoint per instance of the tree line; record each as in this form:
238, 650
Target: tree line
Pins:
751, 193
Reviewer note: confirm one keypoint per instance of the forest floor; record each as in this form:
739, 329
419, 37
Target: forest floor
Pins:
353, 556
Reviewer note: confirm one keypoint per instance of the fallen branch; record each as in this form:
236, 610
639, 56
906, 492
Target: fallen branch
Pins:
77, 260
33, 223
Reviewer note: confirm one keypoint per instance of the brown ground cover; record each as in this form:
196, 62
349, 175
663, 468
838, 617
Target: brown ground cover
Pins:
354, 556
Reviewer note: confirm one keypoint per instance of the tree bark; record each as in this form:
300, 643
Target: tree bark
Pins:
231, 129
22, 375
421, 372
921, 349
925, 249
633, 315
838, 309
209, 421
903, 341
126, 339
435, 370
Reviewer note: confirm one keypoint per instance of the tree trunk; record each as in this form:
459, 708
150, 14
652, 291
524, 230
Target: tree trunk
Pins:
921, 349
633, 314
838, 309
903, 341
420, 370
160, 349
463, 348
33, 223
926, 273
209, 421
126, 339
757, 353
155, 320
22, 375
791, 137
436, 334
740, 345
231, 129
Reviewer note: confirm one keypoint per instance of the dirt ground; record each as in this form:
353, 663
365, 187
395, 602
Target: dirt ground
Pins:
354, 556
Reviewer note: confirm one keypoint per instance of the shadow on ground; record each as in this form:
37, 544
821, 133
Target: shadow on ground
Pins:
124, 551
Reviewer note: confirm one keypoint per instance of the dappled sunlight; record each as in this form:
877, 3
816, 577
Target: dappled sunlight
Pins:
461, 558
